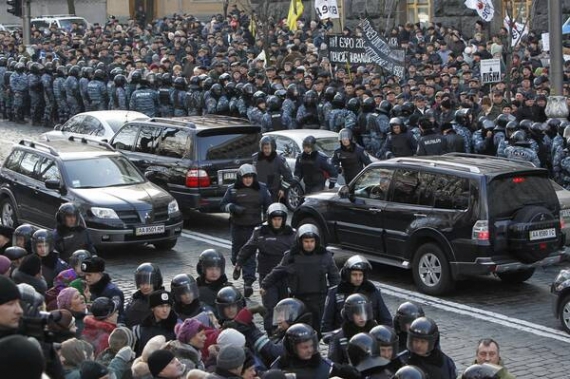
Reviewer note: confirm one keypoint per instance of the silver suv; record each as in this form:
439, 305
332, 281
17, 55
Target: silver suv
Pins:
62, 21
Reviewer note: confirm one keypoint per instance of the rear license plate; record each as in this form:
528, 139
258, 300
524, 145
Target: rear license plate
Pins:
229, 176
146, 230
565, 213
542, 234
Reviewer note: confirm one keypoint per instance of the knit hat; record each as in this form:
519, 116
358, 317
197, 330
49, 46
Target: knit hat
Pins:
5, 264
158, 360
120, 338
8, 290
104, 307
159, 297
75, 351
230, 337
187, 330
31, 265
230, 357
22, 356
92, 370
65, 296
93, 264
60, 320
78, 285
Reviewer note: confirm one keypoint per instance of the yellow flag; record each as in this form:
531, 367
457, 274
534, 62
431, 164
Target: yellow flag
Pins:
295, 11
252, 26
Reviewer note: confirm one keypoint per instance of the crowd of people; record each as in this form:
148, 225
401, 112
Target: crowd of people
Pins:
61, 315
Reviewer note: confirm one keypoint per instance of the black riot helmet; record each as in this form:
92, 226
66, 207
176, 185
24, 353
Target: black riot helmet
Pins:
292, 91
511, 127
355, 263
273, 103
267, 140
519, 138
68, 210
210, 258
74, 71
363, 352
259, 97
120, 80
99, 75
148, 273
35, 68
15, 252
525, 125
224, 77
310, 98
329, 93
297, 334
22, 236
561, 127
239, 88
78, 257
385, 337
503, 119
86, 72
229, 297
166, 79
368, 105
462, 116
345, 133
487, 125
480, 121
553, 126
397, 110
405, 314
246, 169
408, 108
357, 305
30, 300
396, 121
184, 289
248, 90
309, 231
288, 310
136, 77
310, 141
281, 94
482, 371
338, 101
216, 90
230, 89
277, 210
20, 67
3, 61
423, 328
207, 83
410, 372
180, 83
42, 242
353, 105
385, 107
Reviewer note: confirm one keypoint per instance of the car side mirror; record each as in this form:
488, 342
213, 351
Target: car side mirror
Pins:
55, 184
344, 192
58, 127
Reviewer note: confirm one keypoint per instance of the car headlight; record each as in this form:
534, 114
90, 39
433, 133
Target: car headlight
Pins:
173, 207
561, 278
104, 213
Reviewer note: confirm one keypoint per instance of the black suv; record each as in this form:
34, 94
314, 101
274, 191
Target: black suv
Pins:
445, 217
194, 158
119, 205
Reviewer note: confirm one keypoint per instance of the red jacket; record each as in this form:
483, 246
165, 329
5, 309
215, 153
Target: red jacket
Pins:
97, 333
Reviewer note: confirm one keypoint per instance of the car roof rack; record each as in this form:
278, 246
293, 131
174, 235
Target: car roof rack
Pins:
170, 121
56, 15
489, 157
35, 145
427, 162
87, 140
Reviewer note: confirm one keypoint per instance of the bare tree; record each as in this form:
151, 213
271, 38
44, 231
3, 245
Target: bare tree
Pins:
261, 13
71, 6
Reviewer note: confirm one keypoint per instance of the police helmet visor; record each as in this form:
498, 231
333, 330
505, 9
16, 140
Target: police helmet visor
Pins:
144, 278
306, 348
359, 313
186, 293
285, 313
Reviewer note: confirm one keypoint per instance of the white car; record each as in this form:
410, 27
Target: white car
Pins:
289, 143
100, 125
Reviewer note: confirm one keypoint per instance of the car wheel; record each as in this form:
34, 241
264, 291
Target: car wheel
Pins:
516, 276
8, 213
564, 313
165, 245
431, 271
295, 195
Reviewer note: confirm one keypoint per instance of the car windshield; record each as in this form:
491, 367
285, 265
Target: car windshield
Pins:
112, 171
509, 194
227, 146
327, 145
67, 23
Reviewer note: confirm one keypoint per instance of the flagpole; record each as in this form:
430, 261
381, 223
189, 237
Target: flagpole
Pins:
555, 22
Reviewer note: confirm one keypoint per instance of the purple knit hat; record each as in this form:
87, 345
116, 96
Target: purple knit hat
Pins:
64, 297
187, 330
4, 264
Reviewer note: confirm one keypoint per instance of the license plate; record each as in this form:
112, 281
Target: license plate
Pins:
229, 176
146, 230
542, 234
565, 213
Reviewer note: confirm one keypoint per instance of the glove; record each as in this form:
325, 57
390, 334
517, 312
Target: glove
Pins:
237, 272
126, 354
345, 371
331, 184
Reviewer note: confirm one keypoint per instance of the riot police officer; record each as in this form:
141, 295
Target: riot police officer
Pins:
410, 372
59, 95
256, 110
274, 119
178, 98
148, 279
270, 240
36, 94
72, 91
290, 105
354, 279
349, 158
245, 200
461, 126
424, 351
71, 233
400, 142
86, 75
119, 95
482, 371
431, 141
229, 301
164, 96
144, 99
19, 86
311, 166
309, 270
97, 91
363, 354
387, 341
212, 277
185, 292
272, 168
406, 313
49, 99
519, 149
307, 114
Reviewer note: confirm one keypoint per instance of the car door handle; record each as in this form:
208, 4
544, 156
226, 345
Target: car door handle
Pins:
375, 210
420, 215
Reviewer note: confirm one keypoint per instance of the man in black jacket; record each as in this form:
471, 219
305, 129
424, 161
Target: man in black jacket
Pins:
431, 142
454, 142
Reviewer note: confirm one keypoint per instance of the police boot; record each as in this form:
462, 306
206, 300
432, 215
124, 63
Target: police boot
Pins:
247, 289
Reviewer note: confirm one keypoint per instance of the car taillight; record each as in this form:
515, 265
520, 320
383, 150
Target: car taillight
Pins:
197, 178
480, 231
518, 179
562, 223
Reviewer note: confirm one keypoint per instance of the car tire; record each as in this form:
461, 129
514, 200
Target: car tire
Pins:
294, 196
515, 277
8, 213
564, 313
431, 271
166, 244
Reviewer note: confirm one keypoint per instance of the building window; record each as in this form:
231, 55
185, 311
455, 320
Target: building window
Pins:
418, 10
520, 9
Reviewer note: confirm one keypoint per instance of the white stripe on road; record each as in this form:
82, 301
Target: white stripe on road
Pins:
445, 305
